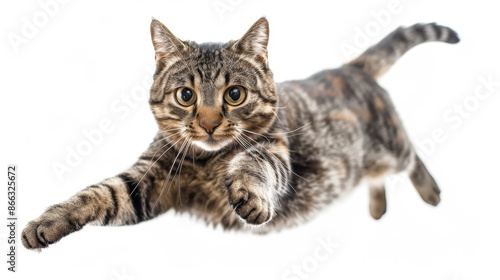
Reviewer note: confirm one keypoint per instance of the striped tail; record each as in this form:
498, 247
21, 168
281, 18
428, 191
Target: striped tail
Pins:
380, 57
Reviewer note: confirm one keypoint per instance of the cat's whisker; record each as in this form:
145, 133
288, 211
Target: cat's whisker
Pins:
154, 164
289, 132
192, 149
279, 161
156, 142
180, 170
278, 118
274, 157
280, 107
261, 153
170, 130
202, 153
239, 143
256, 133
183, 148
164, 145
167, 127
246, 146
265, 170
169, 173
166, 137
163, 139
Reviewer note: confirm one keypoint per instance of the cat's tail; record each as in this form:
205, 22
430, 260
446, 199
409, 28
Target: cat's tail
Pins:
380, 57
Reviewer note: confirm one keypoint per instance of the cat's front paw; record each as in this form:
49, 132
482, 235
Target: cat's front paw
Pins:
49, 228
252, 201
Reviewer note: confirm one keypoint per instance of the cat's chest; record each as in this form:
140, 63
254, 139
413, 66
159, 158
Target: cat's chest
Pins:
203, 172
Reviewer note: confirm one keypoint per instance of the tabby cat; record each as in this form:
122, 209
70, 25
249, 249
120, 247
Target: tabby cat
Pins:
243, 152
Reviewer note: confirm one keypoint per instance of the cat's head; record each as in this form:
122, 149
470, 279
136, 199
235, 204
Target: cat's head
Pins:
211, 93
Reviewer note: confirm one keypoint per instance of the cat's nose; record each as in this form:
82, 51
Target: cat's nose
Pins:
210, 126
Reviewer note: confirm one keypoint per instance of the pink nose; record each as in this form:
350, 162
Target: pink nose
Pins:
210, 126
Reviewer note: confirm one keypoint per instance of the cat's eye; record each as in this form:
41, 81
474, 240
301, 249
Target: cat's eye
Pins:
235, 95
185, 96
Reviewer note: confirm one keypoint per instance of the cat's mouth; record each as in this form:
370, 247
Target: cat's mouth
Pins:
211, 144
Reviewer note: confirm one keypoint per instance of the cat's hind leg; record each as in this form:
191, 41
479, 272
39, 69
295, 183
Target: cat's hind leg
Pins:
424, 183
378, 202
378, 166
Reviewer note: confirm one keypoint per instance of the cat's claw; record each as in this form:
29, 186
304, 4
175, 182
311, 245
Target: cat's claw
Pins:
252, 203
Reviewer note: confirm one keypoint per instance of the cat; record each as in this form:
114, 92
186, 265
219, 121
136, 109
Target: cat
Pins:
241, 151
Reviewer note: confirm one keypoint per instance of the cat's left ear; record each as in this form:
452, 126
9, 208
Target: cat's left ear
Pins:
254, 42
168, 48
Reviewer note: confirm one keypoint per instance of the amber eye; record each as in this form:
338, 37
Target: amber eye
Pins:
235, 95
185, 96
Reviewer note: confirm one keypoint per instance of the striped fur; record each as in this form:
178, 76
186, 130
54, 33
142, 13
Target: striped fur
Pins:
379, 58
273, 161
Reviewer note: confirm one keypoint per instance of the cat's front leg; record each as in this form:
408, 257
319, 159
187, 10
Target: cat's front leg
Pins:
128, 198
255, 179
105, 203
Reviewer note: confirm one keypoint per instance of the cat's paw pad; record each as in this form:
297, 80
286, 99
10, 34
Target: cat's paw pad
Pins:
47, 229
252, 203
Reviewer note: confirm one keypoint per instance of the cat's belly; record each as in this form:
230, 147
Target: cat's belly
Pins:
345, 132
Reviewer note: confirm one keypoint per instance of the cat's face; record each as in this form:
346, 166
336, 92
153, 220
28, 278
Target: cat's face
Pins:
210, 94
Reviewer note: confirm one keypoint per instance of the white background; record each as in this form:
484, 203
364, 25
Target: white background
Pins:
81, 64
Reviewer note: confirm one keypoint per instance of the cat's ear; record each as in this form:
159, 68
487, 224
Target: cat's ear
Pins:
254, 42
168, 48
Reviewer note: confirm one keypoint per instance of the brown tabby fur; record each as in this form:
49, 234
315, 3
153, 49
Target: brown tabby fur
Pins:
275, 160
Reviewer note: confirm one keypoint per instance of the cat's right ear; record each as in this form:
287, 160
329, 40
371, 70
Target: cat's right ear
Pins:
168, 48
254, 42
